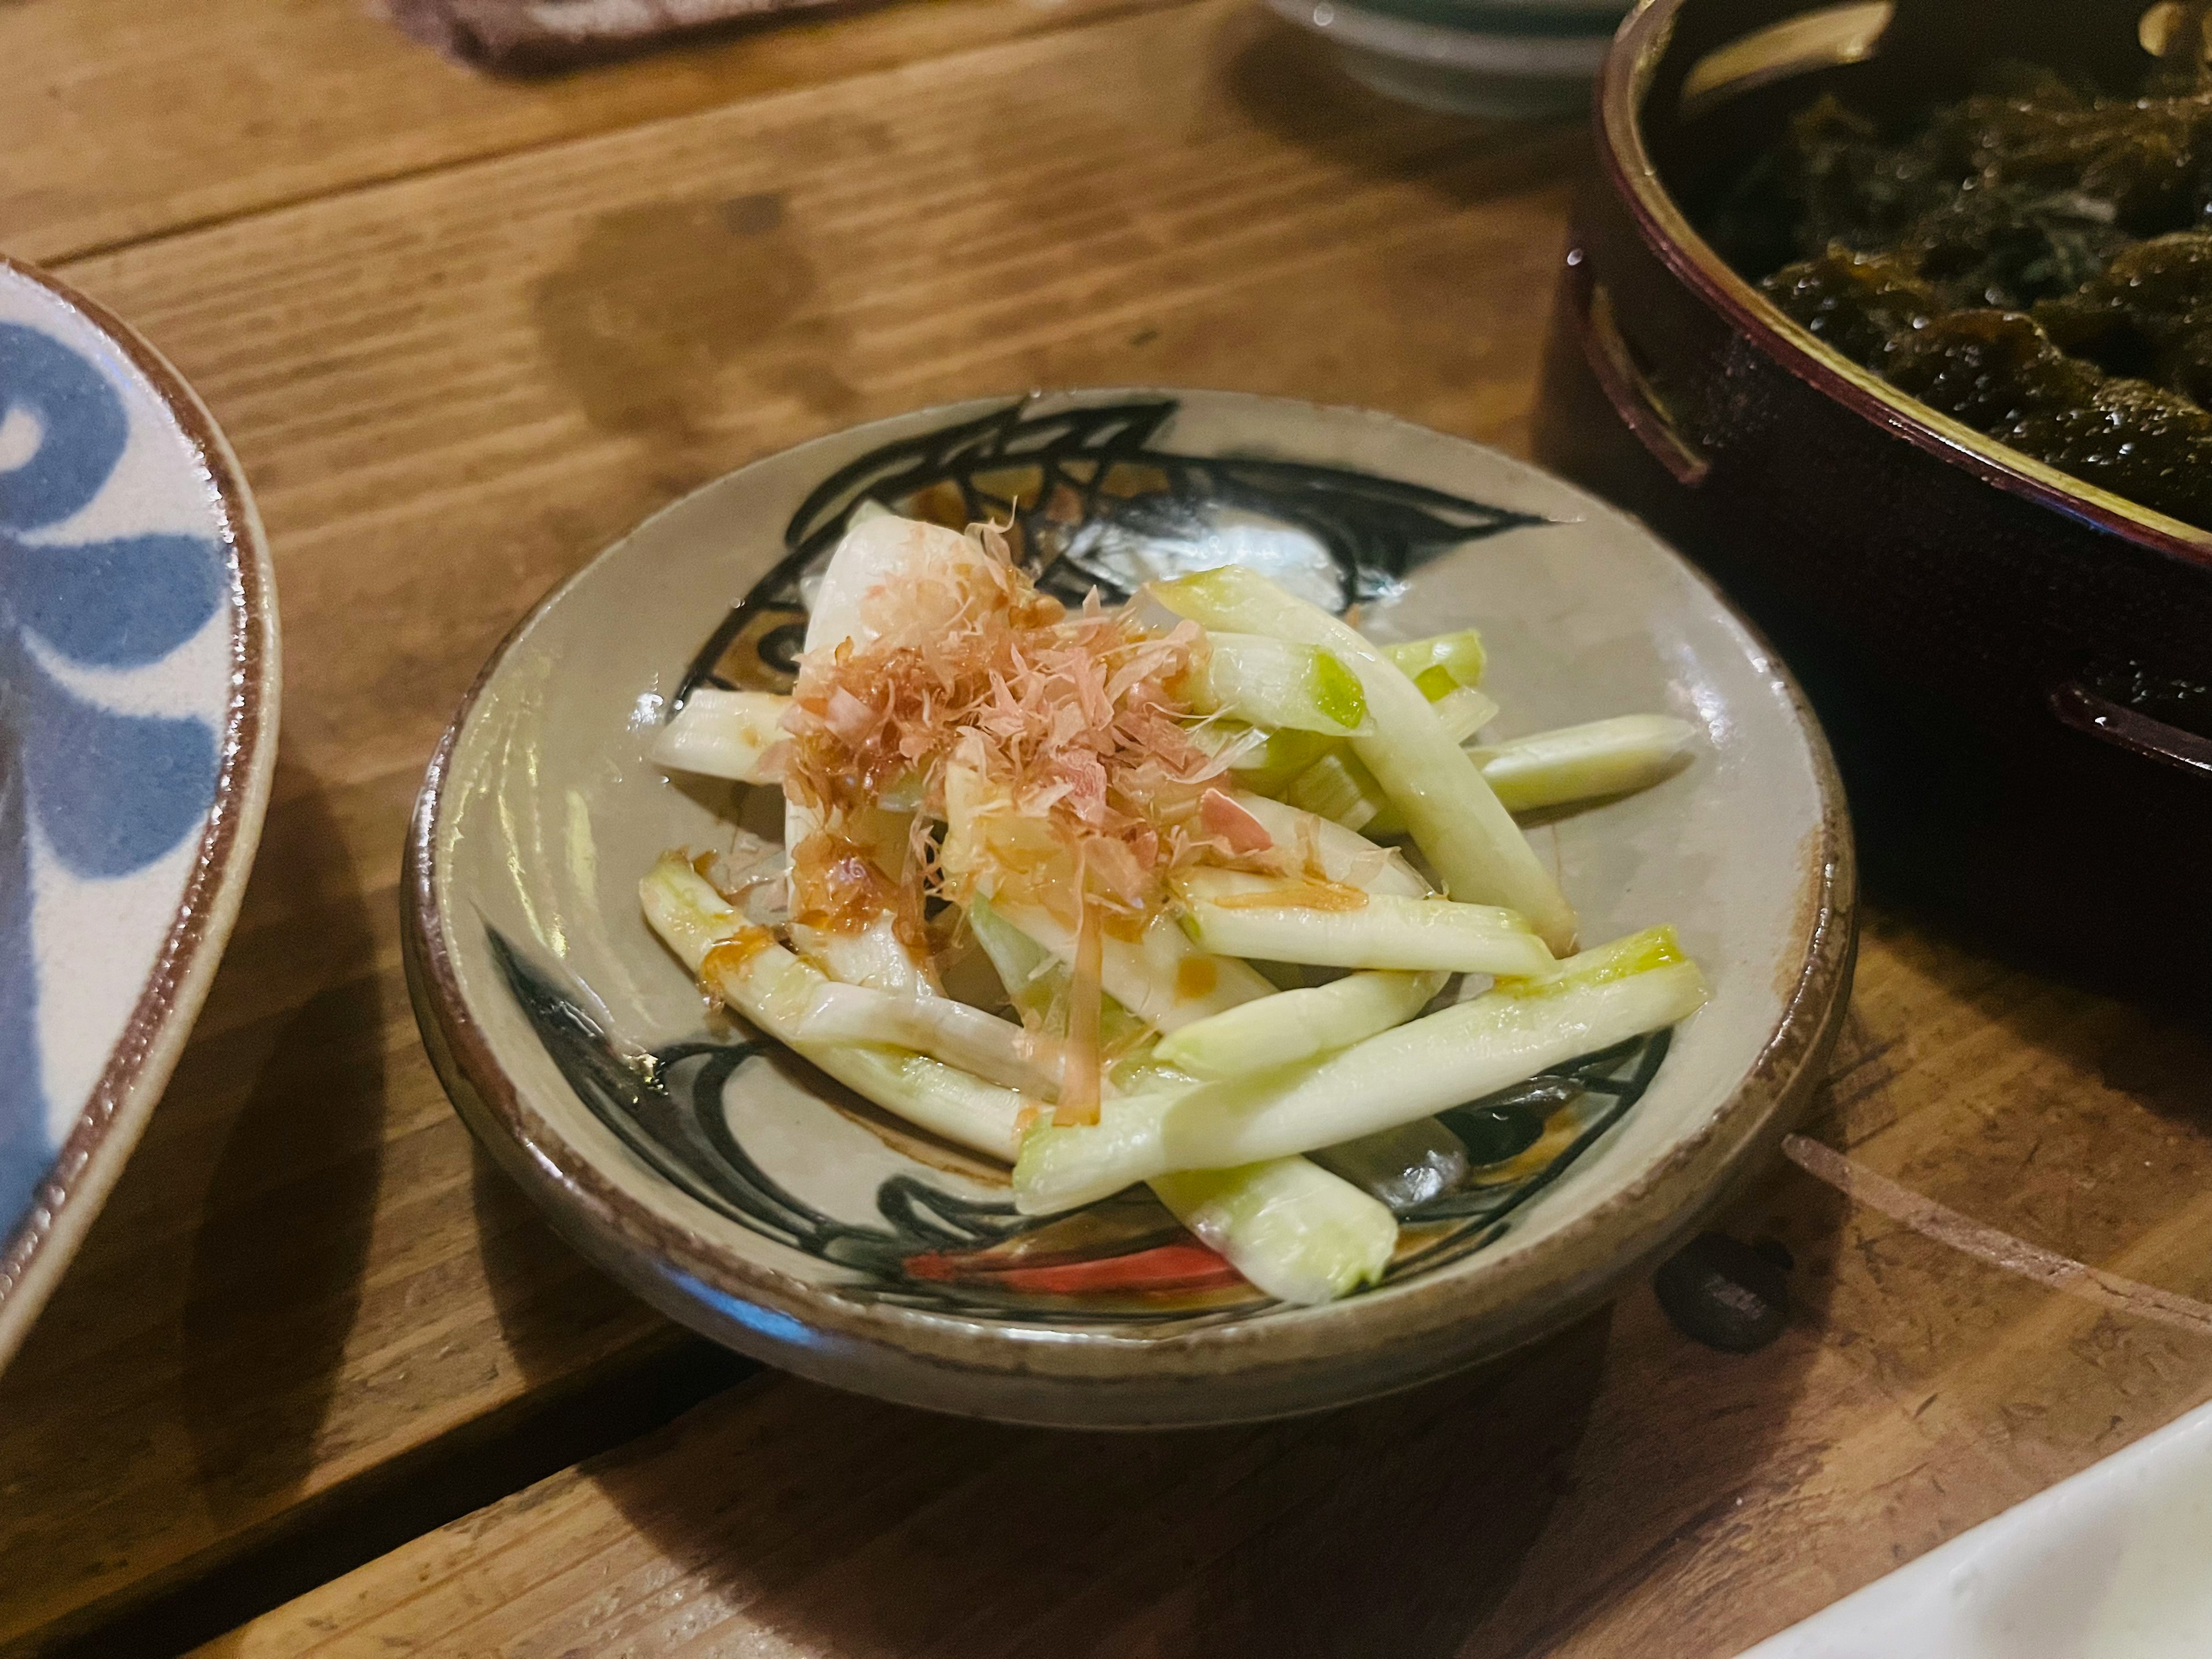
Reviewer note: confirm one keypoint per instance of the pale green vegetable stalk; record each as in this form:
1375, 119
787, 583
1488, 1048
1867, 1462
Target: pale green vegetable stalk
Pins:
1260, 758
1581, 762
1343, 856
1274, 682
1233, 914
1338, 788
1296, 1237
775, 990
1297, 1231
1469, 837
1441, 661
994, 1049
1462, 712
721, 734
1323, 775
1036, 981
1509, 1033
1545, 769
1297, 1025
1163, 978
1294, 1026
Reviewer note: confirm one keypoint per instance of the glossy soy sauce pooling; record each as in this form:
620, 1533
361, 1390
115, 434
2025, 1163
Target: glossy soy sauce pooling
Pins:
2034, 260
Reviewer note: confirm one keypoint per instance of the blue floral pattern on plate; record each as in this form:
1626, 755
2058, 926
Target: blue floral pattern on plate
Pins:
105, 792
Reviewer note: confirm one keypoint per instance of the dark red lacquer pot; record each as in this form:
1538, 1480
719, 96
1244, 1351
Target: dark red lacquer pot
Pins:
2011, 660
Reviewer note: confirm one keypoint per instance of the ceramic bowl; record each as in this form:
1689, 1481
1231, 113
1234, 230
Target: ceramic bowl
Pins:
1513, 59
733, 1187
138, 734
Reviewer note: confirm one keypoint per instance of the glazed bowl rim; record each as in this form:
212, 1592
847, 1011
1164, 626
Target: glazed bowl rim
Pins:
1624, 83
115, 1112
1576, 1263
1413, 39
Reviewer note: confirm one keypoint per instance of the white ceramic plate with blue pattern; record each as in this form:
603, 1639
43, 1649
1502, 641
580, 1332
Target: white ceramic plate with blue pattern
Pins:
138, 676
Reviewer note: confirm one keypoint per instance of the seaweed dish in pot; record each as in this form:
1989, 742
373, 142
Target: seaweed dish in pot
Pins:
2034, 259
1898, 333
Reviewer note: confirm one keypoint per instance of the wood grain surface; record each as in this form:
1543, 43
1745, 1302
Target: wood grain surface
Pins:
463, 334
1619, 1491
122, 121
449, 391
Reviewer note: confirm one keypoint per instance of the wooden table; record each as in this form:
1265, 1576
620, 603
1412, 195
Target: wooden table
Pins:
462, 333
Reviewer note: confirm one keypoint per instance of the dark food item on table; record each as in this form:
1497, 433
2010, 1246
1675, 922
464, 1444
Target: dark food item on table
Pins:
2035, 261
1725, 1293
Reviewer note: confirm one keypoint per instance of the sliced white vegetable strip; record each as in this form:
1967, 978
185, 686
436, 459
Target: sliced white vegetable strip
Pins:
875, 956
1462, 712
1545, 769
1509, 1033
1270, 762
721, 734
873, 553
1401, 1167
1163, 978
1233, 914
1322, 774
994, 1049
1343, 856
1469, 838
1033, 978
1582, 762
1062, 1169
1036, 981
1276, 683
1338, 788
1441, 660
1297, 1231
1328, 1017
691, 917
1293, 1026
745, 967
1296, 1026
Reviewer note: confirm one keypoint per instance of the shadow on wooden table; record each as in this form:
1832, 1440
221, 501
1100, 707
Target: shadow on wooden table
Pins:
277, 1263
1474, 1516
527, 1266
1288, 82
1680, 1444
